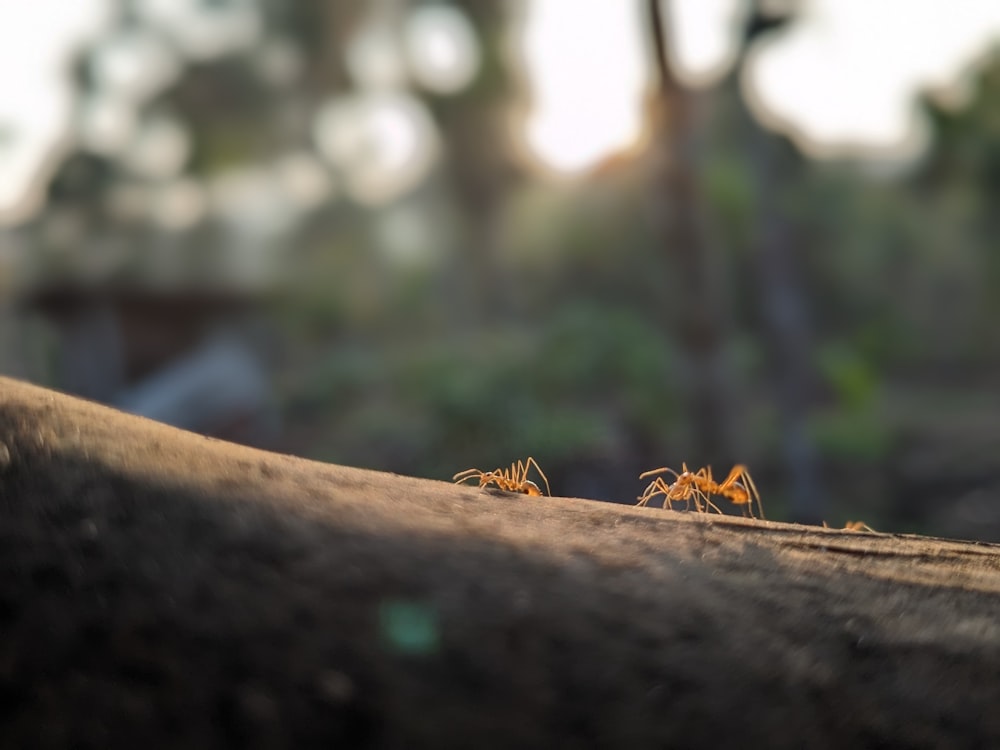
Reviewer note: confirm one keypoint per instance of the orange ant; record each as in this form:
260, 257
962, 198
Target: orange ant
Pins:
854, 526
514, 479
738, 488
684, 488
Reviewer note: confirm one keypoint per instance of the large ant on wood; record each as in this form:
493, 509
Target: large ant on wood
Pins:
738, 488
514, 479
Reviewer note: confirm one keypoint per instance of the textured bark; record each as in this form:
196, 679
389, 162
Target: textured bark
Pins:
162, 589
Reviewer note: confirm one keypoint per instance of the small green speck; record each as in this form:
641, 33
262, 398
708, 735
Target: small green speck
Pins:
409, 627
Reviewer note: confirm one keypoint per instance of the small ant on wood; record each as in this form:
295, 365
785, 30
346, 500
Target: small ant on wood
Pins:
738, 488
514, 479
854, 526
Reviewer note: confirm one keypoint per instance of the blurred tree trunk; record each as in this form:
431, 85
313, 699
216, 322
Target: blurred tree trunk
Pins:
786, 332
479, 175
784, 310
699, 325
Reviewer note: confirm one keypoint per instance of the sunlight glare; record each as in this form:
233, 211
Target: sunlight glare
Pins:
204, 30
38, 44
442, 48
587, 73
374, 59
134, 65
704, 37
383, 144
846, 79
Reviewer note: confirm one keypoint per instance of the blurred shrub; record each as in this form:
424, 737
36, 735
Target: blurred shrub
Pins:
558, 393
854, 429
853, 382
613, 355
851, 436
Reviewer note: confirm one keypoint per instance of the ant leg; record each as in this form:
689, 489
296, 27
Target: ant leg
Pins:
656, 488
659, 487
463, 476
670, 493
652, 472
684, 491
704, 474
491, 477
667, 490
754, 494
517, 473
512, 477
674, 493
533, 462
688, 494
703, 497
708, 502
646, 495
651, 491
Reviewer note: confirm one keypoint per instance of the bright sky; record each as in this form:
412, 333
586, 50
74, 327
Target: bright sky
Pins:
702, 37
587, 71
843, 80
37, 42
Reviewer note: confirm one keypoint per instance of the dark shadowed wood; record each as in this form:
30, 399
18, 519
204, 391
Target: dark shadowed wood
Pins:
161, 589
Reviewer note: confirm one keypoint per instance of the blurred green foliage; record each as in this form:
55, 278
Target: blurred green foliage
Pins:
853, 381
555, 393
540, 321
902, 278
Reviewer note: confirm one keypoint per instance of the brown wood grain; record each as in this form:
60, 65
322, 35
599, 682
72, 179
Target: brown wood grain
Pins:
162, 589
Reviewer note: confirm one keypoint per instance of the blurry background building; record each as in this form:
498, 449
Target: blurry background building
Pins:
420, 236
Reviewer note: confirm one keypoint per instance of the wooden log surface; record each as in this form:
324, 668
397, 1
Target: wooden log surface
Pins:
160, 589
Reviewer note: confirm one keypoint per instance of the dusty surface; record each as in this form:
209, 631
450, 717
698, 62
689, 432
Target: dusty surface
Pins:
162, 589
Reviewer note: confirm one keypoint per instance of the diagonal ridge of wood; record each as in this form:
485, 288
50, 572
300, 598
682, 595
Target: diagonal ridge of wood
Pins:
162, 589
